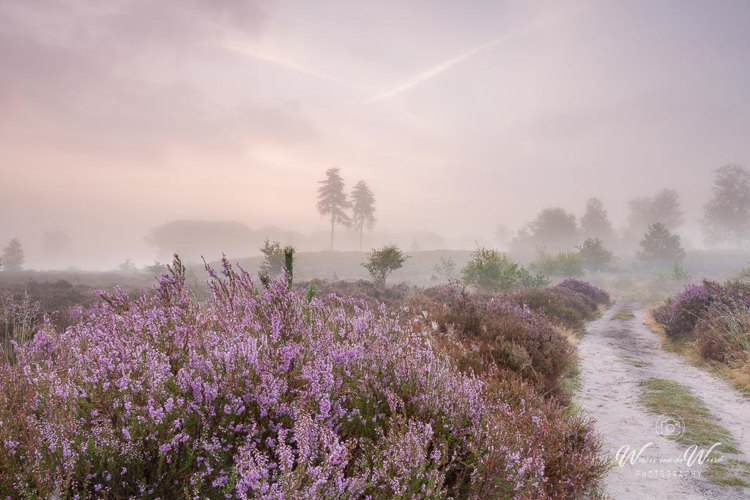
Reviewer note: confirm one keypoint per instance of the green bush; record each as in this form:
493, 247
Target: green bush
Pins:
383, 262
562, 264
493, 271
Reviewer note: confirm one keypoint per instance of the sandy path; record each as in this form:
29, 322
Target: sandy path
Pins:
615, 357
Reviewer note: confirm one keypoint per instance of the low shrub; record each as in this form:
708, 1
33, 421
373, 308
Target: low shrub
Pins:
492, 271
681, 313
492, 332
20, 316
361, 290
562, 306
723, 333
561, 264
596, 294
260, 393
564, 444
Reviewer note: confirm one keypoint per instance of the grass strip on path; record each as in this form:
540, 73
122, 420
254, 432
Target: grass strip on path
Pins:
667, 397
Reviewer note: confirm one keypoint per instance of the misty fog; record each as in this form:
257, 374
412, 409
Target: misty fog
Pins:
219, 120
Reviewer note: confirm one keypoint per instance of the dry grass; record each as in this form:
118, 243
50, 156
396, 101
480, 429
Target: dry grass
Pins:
623, 315
571, 335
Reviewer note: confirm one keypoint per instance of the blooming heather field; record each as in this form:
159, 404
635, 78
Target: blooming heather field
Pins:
268, 392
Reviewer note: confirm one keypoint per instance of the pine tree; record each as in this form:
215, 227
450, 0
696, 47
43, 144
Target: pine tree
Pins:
659, 246
363, 209
332, 200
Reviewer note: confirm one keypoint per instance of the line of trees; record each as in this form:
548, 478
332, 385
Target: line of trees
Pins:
726, 218
333, 202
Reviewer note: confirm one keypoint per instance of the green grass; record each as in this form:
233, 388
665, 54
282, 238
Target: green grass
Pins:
729, 472
570, 385
668, 397
623, 315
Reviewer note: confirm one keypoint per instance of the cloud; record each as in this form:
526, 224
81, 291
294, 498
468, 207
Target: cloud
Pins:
83, 102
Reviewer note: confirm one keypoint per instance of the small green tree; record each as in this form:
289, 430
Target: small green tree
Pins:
660, 247
383, 262
13, 257
494, 271
273, 259
595, 257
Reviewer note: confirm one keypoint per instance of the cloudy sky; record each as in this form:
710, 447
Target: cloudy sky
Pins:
117, 116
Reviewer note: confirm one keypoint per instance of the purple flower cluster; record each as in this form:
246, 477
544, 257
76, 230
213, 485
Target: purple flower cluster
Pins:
594, 293
714, 314
681, 313
252, 394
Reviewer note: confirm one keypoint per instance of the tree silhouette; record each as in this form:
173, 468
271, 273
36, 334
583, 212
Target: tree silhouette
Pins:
663, 207
363, 209
727, 214
13, 257
552, 230
595, 256
659, 246
332, 200
595, 222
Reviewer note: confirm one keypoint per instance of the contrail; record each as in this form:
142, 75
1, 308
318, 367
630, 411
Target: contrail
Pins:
436, 70
241, 48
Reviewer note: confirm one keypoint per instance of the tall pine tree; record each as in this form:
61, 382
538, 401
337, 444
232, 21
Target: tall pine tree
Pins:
332, 200
363, 209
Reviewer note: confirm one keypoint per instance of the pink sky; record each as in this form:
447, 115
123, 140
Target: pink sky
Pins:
122, 115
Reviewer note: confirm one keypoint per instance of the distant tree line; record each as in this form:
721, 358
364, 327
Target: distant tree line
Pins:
652, 222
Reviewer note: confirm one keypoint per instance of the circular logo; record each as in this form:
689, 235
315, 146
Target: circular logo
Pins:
670, 426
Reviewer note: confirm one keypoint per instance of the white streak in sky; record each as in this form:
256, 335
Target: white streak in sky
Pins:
241, 48
444, 66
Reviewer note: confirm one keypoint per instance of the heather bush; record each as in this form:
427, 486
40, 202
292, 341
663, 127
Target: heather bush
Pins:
681, 313
596, 294
573, 463
563, 306
716, 315
362, 290
723, 333
260, 393
493, 332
